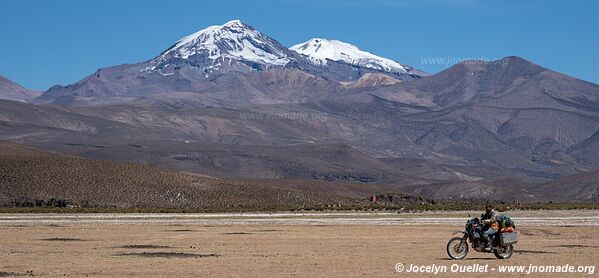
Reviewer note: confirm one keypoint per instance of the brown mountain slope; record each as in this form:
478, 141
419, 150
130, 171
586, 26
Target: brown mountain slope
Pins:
371, 80
27, 173
583, 187
12, 91
510, 82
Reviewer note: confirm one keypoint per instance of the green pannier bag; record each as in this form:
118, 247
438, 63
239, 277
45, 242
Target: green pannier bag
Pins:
506, 221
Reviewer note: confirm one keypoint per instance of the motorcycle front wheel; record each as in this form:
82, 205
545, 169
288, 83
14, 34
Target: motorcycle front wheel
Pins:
504, 252
456, 249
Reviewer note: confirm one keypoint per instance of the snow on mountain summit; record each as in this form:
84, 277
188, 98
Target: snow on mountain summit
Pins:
214, 46
238, 47
233, 39
318, 51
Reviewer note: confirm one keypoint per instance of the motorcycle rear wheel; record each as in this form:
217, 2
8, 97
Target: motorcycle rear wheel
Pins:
504, 252
460, 248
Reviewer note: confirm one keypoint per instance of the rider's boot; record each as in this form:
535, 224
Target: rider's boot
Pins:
485, 246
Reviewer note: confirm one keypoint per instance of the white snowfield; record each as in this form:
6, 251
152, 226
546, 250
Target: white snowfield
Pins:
535, 218
318, 51
233, 40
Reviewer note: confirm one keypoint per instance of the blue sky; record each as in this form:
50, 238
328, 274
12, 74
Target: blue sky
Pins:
45, 42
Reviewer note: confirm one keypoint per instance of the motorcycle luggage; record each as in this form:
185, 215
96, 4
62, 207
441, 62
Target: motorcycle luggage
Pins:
506, 221
507, 230
505, 238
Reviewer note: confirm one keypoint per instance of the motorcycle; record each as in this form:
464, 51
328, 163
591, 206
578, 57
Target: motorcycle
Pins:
501, 243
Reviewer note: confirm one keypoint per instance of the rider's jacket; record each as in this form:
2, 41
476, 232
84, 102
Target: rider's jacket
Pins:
491, 219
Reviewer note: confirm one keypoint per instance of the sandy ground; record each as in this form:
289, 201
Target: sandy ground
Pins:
181, 249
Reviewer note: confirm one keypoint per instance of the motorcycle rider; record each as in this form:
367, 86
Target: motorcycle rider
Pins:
490, 221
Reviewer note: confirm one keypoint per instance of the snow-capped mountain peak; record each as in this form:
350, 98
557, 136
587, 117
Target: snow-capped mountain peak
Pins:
233, 39
238, 47
318, 51
214, 46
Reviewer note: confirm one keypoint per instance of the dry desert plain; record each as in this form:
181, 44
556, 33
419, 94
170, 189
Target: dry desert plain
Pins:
276, 245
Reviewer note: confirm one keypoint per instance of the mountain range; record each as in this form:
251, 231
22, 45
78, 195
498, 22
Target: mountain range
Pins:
10, 90
229, 101
218, 60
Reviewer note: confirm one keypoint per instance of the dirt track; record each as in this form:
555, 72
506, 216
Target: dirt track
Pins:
266, 250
